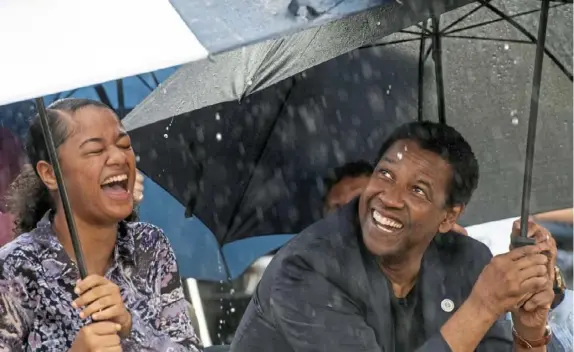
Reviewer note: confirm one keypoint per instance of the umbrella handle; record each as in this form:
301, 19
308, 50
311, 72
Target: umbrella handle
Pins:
49, 140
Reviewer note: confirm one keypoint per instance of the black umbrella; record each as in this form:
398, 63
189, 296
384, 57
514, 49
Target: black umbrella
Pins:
255, 167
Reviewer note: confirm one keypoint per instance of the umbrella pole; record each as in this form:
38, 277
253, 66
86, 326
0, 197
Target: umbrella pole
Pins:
437, 58
61, 186
534, 97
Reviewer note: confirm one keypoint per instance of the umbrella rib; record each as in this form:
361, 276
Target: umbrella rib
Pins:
496, 20
121, 103
70, 93
102, 94
257, 159
437, 58
145, 82
155, 80
463, 18
530, 36
406, 31
392, 42
422, 59
519, 41
423, 28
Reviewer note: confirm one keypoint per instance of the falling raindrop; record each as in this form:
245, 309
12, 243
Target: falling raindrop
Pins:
165, 135
217, 116
218, 136
515, 121
164, 91
388, 91
406, 148
506, 46
513, 112
250, 82
400, 156
232, 310
137, 158
378, 23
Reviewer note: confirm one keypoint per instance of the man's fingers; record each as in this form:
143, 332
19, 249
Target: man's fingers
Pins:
540, 300
534, 284
89, 283
533, 271
530, 260
102, 328
518, 253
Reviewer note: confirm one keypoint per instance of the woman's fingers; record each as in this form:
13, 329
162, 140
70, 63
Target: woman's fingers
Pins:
108, 314
99, 305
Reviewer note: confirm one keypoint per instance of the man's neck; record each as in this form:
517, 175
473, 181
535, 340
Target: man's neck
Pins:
402, 274
97, 242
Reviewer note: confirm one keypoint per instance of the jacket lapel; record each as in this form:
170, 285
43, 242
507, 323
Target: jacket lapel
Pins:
379, 314
439, 297
378, 303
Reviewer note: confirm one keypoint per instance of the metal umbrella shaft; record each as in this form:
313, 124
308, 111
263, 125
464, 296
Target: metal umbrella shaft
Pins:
533, 119
61, 186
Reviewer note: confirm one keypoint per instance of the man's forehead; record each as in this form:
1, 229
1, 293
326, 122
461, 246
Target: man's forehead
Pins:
426, 161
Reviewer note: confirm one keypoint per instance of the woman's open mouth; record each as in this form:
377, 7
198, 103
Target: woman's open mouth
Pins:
384, 223
116, 187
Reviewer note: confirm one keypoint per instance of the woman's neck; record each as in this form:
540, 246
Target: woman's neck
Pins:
97, 242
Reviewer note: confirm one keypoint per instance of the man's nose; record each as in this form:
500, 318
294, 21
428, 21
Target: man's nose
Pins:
392, 197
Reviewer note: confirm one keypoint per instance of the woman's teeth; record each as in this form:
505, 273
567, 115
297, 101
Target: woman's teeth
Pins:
384, 223
118, 178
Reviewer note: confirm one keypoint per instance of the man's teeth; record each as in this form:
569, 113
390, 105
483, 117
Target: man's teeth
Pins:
118, 178
384, 221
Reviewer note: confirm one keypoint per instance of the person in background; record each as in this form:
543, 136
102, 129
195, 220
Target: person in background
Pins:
132, 299
11, 161
385, 273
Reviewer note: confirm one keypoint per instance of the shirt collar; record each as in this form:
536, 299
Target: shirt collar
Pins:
124, 251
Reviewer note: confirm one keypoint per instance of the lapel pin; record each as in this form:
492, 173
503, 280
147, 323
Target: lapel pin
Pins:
447, 305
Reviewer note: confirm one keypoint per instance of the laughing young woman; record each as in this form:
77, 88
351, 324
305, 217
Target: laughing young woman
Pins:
132, 299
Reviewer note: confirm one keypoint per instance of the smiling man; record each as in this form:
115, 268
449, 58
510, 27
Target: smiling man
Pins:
386, 272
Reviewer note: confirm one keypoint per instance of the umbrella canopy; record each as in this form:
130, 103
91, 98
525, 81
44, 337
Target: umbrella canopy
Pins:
115, 39
59, 45
260, 162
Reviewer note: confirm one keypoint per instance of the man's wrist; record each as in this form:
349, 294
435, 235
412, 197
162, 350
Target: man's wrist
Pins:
531, 334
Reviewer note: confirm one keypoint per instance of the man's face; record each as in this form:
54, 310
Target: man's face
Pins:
344, 191
403, 205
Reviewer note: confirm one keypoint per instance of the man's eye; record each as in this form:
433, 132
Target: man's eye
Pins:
126, 147
96, 152
386, 174
419, 191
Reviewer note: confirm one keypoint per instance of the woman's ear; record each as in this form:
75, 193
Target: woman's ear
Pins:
450, 219
46, 173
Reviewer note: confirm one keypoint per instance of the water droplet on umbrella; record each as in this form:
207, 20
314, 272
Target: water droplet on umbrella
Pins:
218, 136
250, 82
515, 121
513, 112
165, 135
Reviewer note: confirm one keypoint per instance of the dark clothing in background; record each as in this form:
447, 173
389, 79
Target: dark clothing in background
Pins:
323, 292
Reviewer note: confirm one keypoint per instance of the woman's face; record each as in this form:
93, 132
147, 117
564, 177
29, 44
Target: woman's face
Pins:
98, 165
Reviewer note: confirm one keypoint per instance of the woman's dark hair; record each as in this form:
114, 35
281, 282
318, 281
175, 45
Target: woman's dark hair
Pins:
28, 198
451, 146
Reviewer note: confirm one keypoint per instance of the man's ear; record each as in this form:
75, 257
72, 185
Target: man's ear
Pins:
46, 173
450, 219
